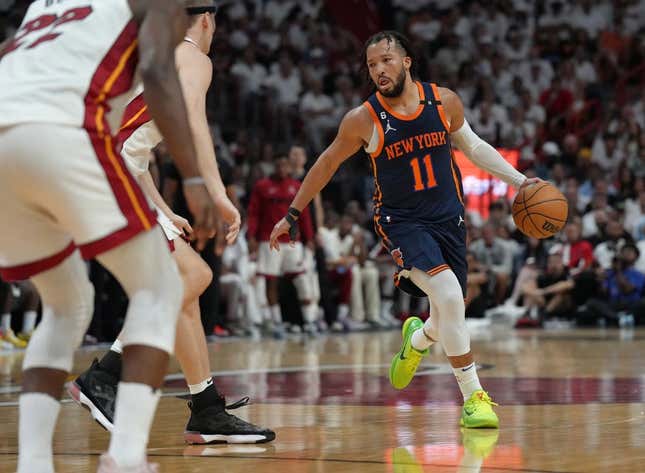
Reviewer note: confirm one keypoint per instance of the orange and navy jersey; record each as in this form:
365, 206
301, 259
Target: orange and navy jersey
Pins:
415, 174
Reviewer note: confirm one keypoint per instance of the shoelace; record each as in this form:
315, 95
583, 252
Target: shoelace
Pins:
482, 397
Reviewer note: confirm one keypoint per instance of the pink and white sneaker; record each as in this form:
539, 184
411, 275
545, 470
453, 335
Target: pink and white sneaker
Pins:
108, 465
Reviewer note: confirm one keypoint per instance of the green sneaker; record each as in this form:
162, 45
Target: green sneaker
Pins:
478, 412
480, 443
404, 461
406, 361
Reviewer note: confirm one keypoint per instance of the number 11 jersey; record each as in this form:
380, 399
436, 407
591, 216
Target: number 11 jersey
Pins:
86, 80
415, 175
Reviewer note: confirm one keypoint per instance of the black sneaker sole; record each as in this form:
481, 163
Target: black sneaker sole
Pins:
75, 391
197, 438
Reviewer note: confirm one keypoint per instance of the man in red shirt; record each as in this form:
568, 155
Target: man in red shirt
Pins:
270, 200
577, 254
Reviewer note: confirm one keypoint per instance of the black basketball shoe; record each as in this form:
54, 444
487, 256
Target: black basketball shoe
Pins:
213, 424
95, 389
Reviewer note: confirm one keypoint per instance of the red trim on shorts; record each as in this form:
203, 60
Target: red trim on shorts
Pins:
115, 76
293, 275
135, 115
26, 271
267, 276
92, 249
171, 245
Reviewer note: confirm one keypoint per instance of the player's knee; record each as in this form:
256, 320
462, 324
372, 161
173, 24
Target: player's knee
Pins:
65, 320
153, 311
198, 279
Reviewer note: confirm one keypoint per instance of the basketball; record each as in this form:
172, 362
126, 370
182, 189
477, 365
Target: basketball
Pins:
540, 210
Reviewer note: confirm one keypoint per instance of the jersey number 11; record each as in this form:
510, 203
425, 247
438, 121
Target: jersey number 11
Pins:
416, 171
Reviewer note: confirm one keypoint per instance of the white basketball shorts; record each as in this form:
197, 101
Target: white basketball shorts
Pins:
289, 261
60, 189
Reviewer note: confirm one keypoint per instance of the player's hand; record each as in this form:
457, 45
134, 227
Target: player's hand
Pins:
201, 207
281, 228
181, 223
231, 216
529, 181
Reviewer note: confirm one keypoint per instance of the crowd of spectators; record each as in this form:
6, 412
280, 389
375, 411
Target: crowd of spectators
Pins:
561, 81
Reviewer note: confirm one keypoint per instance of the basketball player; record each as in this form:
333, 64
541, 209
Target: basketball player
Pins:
269, 199
96, 387
67, 195
408, 128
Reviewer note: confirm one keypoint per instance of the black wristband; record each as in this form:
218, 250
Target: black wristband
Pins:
294, 212
293, 226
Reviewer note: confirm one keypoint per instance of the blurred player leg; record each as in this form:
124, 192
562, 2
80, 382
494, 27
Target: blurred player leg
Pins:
150, 277
68, 298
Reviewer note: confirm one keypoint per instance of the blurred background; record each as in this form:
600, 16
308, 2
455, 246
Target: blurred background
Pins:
557, 86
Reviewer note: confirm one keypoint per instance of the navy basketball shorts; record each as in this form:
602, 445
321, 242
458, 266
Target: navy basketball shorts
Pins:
429, 247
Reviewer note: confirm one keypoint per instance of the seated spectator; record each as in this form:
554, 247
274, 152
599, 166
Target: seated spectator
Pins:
597, 217
533, 256
577, 254
493, 253
622, 288
339, 271
615, 238
366, 294
635, 215
550, 293
243, 315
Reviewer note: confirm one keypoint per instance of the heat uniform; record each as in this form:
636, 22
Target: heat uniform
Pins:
63, 182
137, 137
269, 201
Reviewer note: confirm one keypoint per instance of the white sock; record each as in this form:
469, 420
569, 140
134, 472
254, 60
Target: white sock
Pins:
38, 415
467, 379
117, 347
420, 341
29, 321
134, 411
201, 387
343, 311
5, 323
276, 315
266, 314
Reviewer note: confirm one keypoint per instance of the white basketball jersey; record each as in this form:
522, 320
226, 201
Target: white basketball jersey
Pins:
72, 62
138, 135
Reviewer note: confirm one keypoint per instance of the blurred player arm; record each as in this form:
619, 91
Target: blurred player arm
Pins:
163, 24
482, 154
196, 74
148, 186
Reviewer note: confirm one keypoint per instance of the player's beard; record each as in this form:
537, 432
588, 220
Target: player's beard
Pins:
398, 87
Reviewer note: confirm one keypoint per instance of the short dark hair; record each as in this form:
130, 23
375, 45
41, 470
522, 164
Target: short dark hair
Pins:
399, 40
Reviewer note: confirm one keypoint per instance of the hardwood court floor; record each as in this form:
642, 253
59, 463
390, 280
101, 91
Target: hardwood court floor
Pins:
570, 401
